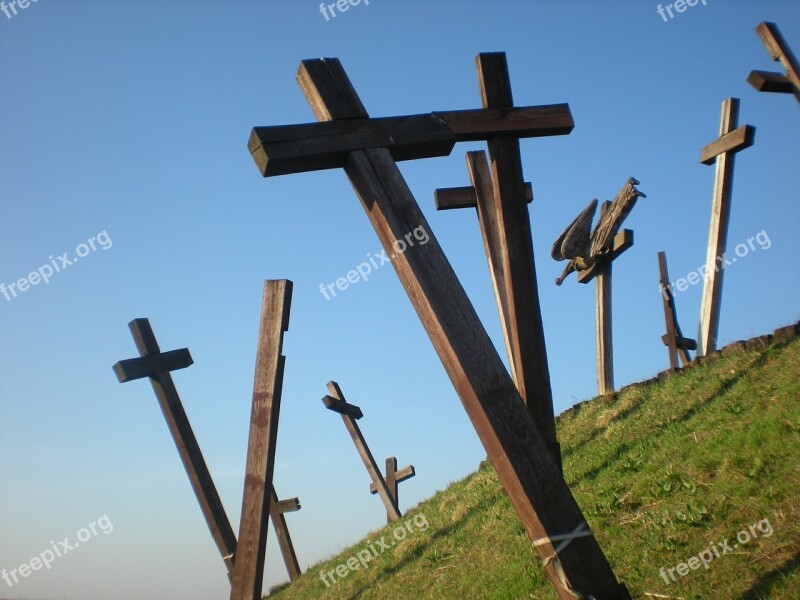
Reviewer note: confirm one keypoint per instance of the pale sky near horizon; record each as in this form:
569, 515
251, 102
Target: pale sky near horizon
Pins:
126, 123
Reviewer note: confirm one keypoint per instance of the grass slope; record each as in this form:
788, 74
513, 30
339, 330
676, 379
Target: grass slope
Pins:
661, 473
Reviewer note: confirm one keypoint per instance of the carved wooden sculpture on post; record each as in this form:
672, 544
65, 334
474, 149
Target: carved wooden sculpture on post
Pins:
367, 149
779, 50
591, 254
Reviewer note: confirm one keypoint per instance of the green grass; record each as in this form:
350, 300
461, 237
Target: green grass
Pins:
660, 471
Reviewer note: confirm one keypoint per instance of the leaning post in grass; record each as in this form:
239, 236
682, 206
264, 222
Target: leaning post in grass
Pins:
677, 345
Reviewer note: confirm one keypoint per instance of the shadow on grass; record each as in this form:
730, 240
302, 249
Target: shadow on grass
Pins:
762, 588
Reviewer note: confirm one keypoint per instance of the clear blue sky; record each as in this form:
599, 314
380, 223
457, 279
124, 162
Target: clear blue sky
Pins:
132, 118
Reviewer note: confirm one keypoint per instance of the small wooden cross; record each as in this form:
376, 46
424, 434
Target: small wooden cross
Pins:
157, 366
677, 345
500, 195
393, 477
509, 434
350, 413
732, 139
779, 50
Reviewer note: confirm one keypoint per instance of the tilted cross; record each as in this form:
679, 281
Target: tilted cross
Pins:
500, 195
157, 366
509, 434
779, 50
677, 345
385, 488
732, 139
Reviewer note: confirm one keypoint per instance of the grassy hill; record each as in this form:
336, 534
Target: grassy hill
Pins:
661, 471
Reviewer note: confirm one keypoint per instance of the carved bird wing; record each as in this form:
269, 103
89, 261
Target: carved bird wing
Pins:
602, 238
575, 240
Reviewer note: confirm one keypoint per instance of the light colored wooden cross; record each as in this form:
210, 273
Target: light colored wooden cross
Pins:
779, 50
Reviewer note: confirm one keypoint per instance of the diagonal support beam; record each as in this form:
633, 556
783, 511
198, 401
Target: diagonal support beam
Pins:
248, 572
509, 434
350, 413
157, 366
722, 152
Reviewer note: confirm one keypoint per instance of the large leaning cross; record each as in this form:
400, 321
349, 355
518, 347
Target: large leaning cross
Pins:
367, 149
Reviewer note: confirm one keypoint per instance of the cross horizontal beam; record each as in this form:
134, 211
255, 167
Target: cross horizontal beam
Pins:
286, 149
288, 505
770, 81
736, 140
622, 242
342, 407
147, 366
680, 342
465, 197
401, 475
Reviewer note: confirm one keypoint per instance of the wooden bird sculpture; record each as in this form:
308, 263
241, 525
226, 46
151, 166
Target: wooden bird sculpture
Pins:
583, 248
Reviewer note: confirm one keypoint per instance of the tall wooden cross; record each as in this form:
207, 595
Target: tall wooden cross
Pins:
248, 571
386, 488
779, 50
500, 196
677, 345
157, 366
367, 149
732, 139
601, 271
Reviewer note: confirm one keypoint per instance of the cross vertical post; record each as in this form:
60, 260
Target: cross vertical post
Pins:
350, 413
732, 139
508, 432
677, 345
248, 572
157, 366
779, 50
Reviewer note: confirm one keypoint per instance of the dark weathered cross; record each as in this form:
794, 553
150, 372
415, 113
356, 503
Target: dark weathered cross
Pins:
732, 139
385, 488
157, 366
779, 50
500, 195
248, 571
677, 345
572, 557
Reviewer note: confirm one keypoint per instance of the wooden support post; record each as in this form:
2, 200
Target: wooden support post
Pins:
350, 413
722, 151
509, 434
248, 572
677, 345
393, 477
779, 50
277, 508
157, 366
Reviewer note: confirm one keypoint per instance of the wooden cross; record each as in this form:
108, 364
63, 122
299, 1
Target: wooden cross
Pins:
509, 434
392, 478
500, 195
779, 50
387, 490
248, 572
157, 366
601, 271
732, 139
677, 345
